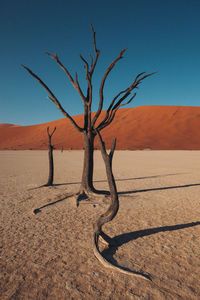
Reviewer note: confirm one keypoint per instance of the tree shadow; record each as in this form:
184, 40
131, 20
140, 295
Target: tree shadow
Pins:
125, 238
39, 209
159, 189
41, 186
96, 181
123, 179
81, 197
146, 177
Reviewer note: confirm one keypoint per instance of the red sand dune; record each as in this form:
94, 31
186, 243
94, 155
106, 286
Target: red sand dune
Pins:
144, 127
3, 125
6, 125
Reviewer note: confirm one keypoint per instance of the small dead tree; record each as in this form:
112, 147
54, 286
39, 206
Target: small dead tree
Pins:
110, 214
51, 162
91, 124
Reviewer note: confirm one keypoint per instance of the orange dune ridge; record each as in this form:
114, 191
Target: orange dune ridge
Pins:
144, 127
8, 125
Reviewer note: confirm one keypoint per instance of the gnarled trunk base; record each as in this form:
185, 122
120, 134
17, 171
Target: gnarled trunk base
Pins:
107, 264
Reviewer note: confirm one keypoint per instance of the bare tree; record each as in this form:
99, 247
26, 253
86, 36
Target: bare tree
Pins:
91, 124
51, 162
110, 214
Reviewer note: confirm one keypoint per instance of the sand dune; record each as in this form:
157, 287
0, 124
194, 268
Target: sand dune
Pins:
5, 125
144, 127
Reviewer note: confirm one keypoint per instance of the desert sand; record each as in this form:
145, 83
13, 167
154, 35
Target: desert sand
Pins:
49, 255
144, 127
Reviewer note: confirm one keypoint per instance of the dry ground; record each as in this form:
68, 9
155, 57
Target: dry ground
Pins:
48, 255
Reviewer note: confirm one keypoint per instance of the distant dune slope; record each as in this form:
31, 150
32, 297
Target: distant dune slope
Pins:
7, 125
144, 127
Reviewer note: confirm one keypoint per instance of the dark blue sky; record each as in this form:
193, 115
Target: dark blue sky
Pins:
161, 35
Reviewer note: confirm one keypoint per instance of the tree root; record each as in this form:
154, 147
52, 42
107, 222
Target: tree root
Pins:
83, 195
107, 264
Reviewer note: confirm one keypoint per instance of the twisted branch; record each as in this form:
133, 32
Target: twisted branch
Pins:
110, 214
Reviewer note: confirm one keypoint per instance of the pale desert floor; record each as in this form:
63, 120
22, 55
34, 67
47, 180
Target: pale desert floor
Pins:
49, 255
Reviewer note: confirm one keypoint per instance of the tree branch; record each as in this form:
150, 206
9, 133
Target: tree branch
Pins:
110, 107
111, 111
97, 52
101, 97
103, 147
86, 64
50, 134
89, 94
54, 99
134, 85
91, 58
102, 144
112, 149
55, 57
74, 83
89, 73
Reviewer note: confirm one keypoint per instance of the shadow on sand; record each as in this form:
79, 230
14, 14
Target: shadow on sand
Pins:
159, 189
123, 179
39, 209
96, 181
124, 238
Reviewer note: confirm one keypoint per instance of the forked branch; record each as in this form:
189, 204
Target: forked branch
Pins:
50, 134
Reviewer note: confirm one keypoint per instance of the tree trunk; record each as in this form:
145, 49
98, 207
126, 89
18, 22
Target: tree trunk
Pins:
51, 163
51, 166
88, 163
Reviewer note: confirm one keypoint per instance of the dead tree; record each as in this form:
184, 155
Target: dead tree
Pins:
91, 124
110, 214
51, 162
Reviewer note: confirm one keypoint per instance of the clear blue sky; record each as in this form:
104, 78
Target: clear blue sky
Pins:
161, 35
